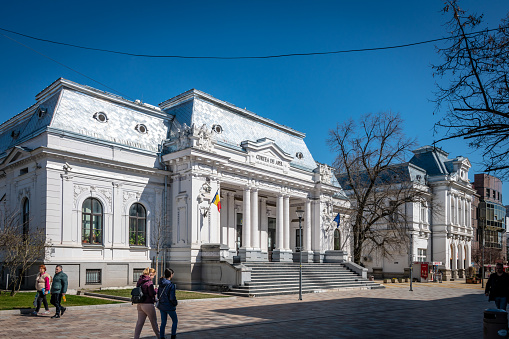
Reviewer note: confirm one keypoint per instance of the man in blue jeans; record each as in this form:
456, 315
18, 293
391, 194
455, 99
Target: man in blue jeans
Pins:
497, 287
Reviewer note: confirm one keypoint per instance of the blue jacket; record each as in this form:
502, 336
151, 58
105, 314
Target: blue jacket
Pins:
168, 288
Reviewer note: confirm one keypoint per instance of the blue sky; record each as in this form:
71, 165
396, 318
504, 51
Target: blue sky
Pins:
309, 93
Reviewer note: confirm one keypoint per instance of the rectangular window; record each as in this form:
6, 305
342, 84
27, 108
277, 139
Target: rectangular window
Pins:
23, 171
421, 254
137, 272
93, 277
488, 192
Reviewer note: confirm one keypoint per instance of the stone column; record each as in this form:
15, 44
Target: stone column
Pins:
255, 228
307, 254
264, 228
286, 218
232, 223
316, 232
246, 251
223, 215
246, 219
280, 253
279, 224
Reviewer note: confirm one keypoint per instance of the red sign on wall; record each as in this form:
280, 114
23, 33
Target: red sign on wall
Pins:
424, 270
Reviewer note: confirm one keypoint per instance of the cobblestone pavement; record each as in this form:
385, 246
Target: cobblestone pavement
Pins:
429, 311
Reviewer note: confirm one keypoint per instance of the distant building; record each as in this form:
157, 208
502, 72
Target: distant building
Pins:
491, 221
441, 228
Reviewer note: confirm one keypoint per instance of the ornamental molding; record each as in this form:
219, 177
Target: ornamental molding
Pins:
191, 136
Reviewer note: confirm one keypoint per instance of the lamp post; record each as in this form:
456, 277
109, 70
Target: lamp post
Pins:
300, 214
482, 216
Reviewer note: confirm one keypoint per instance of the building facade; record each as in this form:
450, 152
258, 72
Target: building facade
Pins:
116, 184
439, 224
491, 221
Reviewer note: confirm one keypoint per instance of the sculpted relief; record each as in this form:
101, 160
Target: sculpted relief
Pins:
191, 136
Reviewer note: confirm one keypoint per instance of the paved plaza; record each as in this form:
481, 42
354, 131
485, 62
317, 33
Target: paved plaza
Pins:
448, 310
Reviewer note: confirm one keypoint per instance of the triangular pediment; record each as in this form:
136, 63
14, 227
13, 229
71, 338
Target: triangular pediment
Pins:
16, 154
266, 147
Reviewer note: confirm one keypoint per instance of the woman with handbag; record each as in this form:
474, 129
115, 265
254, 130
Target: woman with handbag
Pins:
167, 303
42, 285
146, 307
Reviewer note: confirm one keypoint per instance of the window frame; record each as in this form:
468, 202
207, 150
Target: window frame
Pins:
137, 219
100, 220
89, 272
25, 216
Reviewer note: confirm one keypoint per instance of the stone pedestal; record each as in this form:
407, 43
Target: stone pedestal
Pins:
335, 256
318, 256
264, 256
215, 252
249, 254
307, 257
282, 255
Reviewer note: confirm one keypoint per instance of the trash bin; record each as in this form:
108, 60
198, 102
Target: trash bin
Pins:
494, 321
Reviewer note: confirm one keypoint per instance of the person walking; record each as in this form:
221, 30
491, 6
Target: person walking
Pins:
146, 307
42, 285
497, 287
167, 303
58, 290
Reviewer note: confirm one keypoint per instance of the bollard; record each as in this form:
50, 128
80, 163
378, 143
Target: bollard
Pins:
494, 321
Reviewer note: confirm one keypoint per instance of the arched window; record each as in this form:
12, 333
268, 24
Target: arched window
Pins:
137, 225
25, 216
92, 222
337, 240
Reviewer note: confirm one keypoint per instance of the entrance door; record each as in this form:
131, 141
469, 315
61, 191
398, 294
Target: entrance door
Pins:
271, 237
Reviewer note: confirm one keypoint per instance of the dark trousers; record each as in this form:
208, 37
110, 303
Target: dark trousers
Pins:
41, 297
164, 319
56, 299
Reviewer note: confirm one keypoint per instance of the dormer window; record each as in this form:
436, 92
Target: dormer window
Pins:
141, 128
41, 112
218, 129
101, 117
299, 155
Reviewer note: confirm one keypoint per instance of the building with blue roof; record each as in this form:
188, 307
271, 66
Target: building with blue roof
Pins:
439, 223
120, 185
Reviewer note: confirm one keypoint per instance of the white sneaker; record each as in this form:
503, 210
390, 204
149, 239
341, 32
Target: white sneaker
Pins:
45, 313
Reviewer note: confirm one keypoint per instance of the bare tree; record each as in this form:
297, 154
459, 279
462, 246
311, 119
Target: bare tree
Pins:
20, 247
370, 167
158, 242
476, 91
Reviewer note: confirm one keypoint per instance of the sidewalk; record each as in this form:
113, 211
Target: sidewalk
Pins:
431, 310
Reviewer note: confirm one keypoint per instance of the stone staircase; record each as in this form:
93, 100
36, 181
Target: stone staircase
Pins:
270, 278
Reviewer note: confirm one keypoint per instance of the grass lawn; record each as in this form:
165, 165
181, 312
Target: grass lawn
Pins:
25, 300
181, 295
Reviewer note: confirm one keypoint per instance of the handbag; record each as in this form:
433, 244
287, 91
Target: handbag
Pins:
162, 293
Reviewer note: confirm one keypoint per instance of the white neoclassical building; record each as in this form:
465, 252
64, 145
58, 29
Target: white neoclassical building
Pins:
115, 182
440, 226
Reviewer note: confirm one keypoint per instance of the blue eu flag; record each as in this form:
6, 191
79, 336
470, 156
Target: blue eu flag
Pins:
337, 219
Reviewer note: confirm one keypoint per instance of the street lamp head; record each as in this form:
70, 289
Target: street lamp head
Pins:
300, 213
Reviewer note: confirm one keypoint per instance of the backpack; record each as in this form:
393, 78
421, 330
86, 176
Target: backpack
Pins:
137, 295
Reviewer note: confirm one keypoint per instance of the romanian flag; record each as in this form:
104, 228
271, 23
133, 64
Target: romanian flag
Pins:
216, 201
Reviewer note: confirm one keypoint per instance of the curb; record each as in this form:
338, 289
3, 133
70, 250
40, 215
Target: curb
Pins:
123, 304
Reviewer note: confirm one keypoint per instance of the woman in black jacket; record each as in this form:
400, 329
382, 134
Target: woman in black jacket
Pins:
146, 308
167, 303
